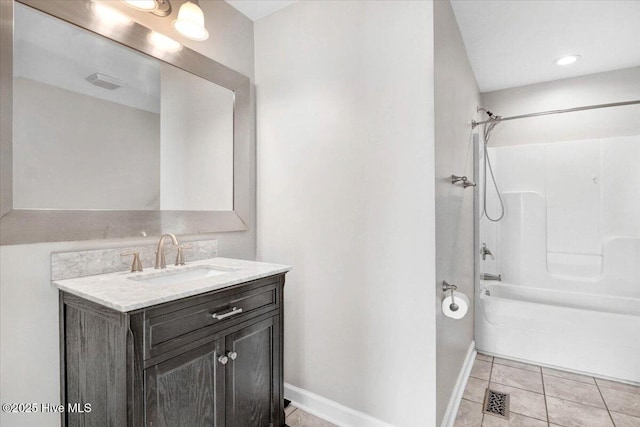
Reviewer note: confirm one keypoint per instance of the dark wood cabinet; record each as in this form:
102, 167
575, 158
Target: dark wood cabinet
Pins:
211, 360
254, 373
187, 390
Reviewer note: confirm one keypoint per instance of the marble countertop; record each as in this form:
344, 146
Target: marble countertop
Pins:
119, 292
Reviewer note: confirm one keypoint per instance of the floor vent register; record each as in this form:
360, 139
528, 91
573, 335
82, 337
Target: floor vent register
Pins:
496, 403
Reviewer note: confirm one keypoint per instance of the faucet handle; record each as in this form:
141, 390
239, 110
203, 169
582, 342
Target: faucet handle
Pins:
136, 264
180, 255
484, 251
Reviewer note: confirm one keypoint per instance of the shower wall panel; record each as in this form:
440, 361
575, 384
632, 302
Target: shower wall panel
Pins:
572, 215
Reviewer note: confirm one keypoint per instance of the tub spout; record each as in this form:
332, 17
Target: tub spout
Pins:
489, 276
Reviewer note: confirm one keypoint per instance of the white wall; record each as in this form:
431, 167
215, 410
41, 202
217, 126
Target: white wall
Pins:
345, 196
601, 88
29, 362
196, 143
456, 99
53, 128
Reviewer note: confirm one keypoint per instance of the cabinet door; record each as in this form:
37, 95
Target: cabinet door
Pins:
187, 390
253, 391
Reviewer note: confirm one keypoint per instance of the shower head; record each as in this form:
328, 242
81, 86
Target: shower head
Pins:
489, 113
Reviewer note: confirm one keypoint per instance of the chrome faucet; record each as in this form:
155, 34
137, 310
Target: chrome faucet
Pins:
160, 261
484, 251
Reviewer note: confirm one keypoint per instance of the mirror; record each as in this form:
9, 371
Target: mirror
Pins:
114, 129
108, 133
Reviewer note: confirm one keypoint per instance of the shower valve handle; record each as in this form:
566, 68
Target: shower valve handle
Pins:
465, 181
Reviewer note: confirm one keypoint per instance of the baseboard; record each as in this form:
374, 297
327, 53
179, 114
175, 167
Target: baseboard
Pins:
449, 417
329, 410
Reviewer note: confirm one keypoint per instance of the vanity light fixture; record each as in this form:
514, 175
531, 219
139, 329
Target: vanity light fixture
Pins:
567, 59
190, 22
110, 15
146, 5
157, 7
163, 42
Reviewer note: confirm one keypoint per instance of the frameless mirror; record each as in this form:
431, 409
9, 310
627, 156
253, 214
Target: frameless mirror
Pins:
100, 126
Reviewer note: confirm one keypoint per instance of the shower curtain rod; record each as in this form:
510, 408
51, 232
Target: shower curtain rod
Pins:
545, 113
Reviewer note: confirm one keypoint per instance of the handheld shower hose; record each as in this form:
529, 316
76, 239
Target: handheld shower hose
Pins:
487, 129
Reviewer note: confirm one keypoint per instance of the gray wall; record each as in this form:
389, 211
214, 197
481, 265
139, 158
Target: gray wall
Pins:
345, 195
601, 88
29, 305
456, 99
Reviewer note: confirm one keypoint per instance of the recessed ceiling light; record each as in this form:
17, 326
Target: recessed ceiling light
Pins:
568, 59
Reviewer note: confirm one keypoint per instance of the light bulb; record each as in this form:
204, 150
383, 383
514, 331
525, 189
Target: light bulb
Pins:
110, 15
141, 4
163, 42
190, 22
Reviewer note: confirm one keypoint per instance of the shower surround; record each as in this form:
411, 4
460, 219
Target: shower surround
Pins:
568, 250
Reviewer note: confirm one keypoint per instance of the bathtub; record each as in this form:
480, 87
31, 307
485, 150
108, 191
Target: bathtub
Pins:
593, 334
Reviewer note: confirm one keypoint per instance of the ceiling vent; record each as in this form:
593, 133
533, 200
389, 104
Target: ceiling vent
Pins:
104, 81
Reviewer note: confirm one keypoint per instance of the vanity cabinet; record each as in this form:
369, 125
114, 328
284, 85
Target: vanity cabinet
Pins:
214, 359
187, 389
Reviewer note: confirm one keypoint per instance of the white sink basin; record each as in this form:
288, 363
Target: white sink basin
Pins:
174, 277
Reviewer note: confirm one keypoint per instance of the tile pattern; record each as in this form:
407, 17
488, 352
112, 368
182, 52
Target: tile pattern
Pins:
516, 377
515, 364
296, 417
622, 420
569, 375
620, 401
481, 369
475, 389
567, 389
547, 397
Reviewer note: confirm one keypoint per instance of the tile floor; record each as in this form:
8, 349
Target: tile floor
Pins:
298, 418
544, 397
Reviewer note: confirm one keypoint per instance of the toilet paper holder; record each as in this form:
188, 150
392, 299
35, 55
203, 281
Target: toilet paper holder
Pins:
450, 287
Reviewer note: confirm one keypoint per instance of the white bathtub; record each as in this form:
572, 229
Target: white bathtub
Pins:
593, 334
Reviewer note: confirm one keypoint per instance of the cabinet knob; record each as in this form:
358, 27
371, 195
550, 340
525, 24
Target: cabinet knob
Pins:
223, 359
232, 355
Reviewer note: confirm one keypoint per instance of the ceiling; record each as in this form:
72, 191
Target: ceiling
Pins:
256, 9
514, 43
51, 51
